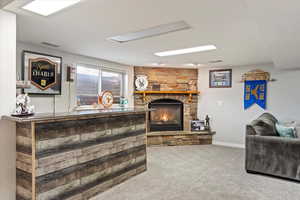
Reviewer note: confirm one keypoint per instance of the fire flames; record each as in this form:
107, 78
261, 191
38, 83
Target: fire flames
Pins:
164, 117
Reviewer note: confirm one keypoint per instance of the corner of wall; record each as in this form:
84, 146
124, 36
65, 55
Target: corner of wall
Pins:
8, 160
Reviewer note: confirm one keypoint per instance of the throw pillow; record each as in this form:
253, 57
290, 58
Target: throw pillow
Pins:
265, 125
263, 129
285, 131
295, 125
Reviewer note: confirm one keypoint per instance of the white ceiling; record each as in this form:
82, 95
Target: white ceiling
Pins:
244, 31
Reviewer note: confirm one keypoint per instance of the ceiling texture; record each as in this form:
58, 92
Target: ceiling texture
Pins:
245, 32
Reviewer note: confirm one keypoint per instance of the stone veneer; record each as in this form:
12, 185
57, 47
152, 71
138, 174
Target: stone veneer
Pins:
171, 79
174, 138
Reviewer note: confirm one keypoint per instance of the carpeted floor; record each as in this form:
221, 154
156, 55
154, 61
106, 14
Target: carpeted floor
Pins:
200, 173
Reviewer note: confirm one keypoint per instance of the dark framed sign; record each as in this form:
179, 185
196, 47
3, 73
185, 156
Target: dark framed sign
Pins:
44, 73
220, 78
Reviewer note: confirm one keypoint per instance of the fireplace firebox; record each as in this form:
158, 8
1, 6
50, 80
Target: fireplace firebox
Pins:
167, 115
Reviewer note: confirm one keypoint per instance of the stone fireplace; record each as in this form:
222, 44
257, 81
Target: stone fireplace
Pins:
169, 80
173, 94
167, 115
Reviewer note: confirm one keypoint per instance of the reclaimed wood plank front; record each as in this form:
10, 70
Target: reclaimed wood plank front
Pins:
78, 159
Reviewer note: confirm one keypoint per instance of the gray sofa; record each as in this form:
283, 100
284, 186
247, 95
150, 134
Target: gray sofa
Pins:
268, 153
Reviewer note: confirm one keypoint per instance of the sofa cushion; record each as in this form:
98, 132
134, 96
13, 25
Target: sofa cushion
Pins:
265, 125
285, 131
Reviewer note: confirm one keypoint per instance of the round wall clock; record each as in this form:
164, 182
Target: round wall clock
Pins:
106, 98
141, 82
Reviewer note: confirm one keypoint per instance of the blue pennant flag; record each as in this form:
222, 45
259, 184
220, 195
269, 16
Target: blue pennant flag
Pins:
255, 92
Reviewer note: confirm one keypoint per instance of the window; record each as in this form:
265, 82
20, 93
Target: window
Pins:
87, 85
91, 80
112, 81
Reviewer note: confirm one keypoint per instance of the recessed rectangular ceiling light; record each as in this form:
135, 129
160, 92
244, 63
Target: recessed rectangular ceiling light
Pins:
186, 51
48, 7
151, 32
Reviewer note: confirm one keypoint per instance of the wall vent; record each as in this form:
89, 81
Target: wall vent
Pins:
50, 44
215, 61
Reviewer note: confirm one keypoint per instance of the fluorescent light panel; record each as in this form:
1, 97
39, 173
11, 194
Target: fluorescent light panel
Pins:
186, 51
158, 64
48, 7
151, 32
194, 65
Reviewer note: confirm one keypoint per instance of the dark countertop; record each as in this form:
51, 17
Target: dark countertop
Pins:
84, 114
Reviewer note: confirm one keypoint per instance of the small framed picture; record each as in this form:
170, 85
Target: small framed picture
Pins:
221, 78
43, 71
197, 125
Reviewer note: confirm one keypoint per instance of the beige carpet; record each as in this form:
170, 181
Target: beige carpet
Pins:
200, 173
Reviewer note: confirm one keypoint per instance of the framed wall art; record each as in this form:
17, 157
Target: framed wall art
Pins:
44, 73
221, 78
197, 125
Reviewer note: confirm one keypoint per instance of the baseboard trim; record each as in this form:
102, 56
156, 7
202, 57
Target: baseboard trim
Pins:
228, 144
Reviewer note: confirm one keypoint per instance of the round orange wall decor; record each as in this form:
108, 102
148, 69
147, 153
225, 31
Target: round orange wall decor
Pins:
106, 98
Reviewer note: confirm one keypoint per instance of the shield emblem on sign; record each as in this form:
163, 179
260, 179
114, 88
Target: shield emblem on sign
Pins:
42, 73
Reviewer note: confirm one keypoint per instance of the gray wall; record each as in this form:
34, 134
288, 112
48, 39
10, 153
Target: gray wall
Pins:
66, 101
225, 106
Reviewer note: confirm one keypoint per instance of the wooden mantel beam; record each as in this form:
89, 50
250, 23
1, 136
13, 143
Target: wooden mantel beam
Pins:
190, 93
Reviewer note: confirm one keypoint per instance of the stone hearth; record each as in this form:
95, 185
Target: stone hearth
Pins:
173, 138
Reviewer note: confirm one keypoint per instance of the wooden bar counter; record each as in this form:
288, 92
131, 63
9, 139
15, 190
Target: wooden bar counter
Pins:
75, 156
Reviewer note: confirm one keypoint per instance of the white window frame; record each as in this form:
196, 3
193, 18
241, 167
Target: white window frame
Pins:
101, 69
